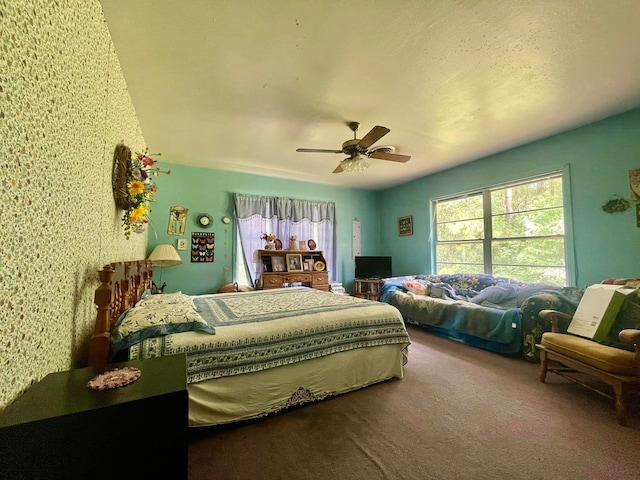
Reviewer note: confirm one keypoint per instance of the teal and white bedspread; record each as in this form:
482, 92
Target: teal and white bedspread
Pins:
263, 329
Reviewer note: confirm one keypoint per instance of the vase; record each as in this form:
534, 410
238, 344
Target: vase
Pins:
270, 245
137, 227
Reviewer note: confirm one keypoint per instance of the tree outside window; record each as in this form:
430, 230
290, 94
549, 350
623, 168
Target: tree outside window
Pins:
514, 231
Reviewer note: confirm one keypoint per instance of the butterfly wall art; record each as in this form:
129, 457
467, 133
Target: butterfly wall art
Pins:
202, 247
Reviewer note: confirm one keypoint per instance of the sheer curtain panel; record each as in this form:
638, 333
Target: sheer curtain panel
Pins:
284, 217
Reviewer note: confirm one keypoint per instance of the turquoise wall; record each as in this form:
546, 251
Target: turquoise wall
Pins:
209, 191
597, 157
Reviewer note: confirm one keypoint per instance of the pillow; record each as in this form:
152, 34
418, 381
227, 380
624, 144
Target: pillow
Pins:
144, 321
415, 287
496, 295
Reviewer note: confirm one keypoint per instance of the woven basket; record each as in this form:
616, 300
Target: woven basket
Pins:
119, 178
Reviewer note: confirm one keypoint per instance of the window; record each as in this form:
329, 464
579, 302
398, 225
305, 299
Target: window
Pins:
514, 230
283, 217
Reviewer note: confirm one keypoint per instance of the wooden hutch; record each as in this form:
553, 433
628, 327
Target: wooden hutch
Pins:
292, 268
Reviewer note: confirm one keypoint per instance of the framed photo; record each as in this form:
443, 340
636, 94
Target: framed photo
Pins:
405, 226
307, 265
278, 264
294, 262
266, 264
182, 244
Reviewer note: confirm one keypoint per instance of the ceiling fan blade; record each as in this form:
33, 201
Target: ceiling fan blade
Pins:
317, 150
394, 157
375, 134
338, 169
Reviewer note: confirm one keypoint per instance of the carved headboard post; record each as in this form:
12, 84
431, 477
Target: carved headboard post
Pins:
121, 286
100, 340
127, 288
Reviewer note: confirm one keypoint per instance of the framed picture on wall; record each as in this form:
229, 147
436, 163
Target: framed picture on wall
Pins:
202, 247
177, 220
405, 226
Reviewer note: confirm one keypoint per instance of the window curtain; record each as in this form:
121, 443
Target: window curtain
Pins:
284, 217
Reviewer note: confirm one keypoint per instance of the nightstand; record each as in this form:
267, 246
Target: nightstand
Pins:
61, 429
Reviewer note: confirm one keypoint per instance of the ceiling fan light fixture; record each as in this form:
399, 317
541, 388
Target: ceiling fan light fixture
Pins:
355, 164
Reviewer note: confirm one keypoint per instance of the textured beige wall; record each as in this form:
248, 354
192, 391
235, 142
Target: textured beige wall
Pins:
64, 106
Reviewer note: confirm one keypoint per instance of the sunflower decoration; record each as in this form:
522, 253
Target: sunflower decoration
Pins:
140, 191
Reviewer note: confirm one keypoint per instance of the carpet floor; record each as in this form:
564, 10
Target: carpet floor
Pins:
459, 413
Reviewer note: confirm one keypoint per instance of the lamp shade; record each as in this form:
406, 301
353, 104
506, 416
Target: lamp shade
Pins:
165, 256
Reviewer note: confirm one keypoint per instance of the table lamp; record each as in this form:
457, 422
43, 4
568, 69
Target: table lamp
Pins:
164, 256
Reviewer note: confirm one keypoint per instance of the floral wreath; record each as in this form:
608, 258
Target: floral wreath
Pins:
134, 187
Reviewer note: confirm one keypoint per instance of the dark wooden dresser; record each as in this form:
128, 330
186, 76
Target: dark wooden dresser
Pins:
61, 429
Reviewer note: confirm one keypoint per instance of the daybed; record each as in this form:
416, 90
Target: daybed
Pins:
495, 313
250, 353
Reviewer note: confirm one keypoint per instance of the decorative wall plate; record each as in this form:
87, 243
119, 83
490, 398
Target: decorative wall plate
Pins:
278, 244
319, 266
312, 244
205, 220
118, 377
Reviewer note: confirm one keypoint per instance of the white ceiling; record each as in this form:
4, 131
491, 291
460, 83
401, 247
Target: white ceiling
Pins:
240, 84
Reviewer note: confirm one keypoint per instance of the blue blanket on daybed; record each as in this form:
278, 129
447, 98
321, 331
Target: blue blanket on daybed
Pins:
462, 307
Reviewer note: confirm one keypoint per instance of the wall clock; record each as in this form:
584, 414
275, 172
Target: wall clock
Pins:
205, 220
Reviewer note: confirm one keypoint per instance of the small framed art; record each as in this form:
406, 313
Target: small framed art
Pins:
182, 244
405, 226
177, 220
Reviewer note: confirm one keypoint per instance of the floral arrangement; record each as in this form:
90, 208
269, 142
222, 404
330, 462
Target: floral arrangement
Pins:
269, 237
140, 190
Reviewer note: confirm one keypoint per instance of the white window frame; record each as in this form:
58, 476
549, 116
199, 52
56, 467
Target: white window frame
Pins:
567, 213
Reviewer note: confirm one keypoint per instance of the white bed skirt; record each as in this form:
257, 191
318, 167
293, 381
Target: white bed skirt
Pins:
252, 395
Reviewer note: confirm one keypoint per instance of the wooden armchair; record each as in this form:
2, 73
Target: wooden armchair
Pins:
614, 366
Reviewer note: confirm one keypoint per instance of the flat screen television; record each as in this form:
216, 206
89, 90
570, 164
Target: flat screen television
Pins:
373, 267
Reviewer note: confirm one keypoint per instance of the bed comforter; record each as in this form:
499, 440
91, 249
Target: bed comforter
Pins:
263, 329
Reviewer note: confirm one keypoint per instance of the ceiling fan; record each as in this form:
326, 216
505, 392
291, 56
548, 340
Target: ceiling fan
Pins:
358, 150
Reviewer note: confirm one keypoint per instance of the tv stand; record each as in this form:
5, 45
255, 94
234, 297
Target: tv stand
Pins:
368, 288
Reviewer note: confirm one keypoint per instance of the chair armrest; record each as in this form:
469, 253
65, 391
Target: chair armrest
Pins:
630, 336
552, 317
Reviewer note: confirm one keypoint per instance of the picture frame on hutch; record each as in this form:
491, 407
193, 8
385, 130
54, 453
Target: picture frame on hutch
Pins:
278, 264
294, 262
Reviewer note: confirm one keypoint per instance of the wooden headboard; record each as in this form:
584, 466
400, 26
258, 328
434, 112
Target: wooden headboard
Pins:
121, 286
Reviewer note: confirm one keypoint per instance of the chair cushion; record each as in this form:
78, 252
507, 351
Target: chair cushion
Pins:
602, 357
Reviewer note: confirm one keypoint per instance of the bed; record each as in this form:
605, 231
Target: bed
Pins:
251, 353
